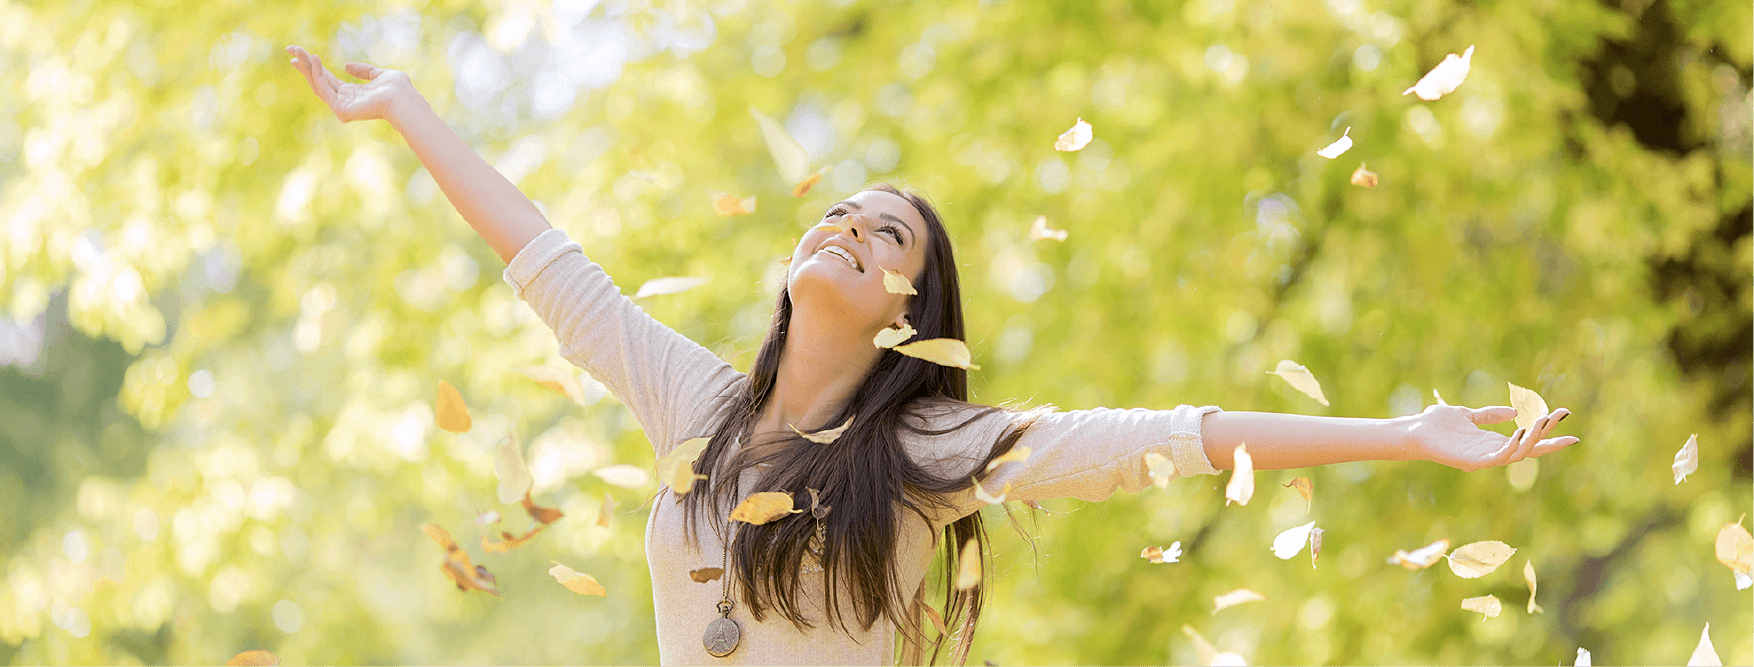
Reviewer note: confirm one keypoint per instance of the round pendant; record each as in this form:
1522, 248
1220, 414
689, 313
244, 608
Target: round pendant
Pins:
722, 636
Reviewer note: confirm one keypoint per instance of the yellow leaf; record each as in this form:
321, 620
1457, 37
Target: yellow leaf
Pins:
558, 380
1339, 146
623, 475
1704, 654
1242, 480
1018, 453
453, 414
542, 515
457, 566
941, 351
968, 567
676, 468
1300, 379
575, 581
1236, 597
1290, 542
1478, 559
1038, 231
725, 203
1209, 656
1529, 575
895, 283
1735, 549
1364, 177
606, 511
760, 508
1438, 396
1160, 468
1529, 406
1687, 460
1173, 554
1485, 604
1420, 558
493, 546
705, 574
888, 338
803, 187
487, 517
791, 159
1315, 546
980, 493
937, 619
1306, 488
825, 437
1075, 138
1445, 77
670, 285
256, 658
508, 466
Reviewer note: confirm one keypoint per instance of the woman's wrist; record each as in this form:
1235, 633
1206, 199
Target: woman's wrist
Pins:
405, 108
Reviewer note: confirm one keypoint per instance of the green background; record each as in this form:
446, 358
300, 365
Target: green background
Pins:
223, 313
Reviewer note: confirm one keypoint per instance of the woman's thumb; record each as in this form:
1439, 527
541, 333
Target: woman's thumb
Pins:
362, 70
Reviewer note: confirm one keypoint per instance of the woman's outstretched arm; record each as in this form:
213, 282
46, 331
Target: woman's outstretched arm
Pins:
1446, 434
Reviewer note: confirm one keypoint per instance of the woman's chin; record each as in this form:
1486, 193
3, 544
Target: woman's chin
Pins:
825, 288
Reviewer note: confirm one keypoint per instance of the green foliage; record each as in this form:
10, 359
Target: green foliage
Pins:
248, 463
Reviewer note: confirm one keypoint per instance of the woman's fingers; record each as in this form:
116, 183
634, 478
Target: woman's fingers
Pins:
1531, 438
323, 74
1508, 450
308, 65
1492, 415
362, 70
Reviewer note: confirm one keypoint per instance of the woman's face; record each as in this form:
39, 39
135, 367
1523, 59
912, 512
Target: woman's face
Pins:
878, 230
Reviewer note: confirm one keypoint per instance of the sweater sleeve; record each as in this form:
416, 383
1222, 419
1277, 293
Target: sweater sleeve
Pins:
673, 386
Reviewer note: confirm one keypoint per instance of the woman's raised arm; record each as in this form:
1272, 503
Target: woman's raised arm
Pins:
1446, 434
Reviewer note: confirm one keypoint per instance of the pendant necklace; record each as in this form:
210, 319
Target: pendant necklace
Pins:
723, 634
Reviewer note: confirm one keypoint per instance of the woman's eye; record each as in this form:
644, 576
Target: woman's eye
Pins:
892, 232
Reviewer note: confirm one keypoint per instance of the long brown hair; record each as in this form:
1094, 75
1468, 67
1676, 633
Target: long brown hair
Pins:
862, 527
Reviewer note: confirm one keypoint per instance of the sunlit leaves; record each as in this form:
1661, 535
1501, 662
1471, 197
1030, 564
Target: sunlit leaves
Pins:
1530, 407
788, 155
1529, 576
1315, 546
577, 582
1242, 479
1300, 379
1075, 138
762, 507
1364, 177
669, 285
803, 186
457, 566
1687, 460
1478, 559
1341, 145
1209, 656
453, 414
1154, 554
981, 494
895, 283
1485, 604
725, 203
1039, 231
1421, 558
826, 436
1017, 453
509, 542
1735, 549
1306, 488
1704, 654
606, 511
508, 466
890, 337
941, 351
1233, 598
256, 658
968, 566
542, 515
1445, 77
706, 574
623, 475
1291, 540
676, 468
558, 380
1160, 468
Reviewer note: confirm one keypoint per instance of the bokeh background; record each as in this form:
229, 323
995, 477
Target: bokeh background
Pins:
224, 314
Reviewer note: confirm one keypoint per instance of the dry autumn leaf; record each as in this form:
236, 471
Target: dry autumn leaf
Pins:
1478, 559
1160, 468
1529, 406
725, 203
762, 507
558, 380
1242, 480
888, 338
1485, 604
606, 511
453, 414
1341, 145
942, 351
1445, 77
1306, 488
509, 467
1704, 655
510, 542
968, 568
1172, 554
788, 155
1735, 549
676, 468
1076, 138
1583, 657
1236, 597
670, 285
937, 619
623, 475
1039, 231
542, 515
457, 566
825, 437
1687, 460
1420, 558
895, 283
1529, 576
1290, 541
705, 574
1315, 546
576, 581
803, 187
256, 658
817, 509
980, 493
1300, 379
1017, 453
487, 517
1364, 177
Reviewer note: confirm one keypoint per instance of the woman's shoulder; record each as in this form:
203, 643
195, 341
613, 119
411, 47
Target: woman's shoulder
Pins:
949, 436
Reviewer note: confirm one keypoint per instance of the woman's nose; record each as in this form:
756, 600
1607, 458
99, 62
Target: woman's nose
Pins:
856, 225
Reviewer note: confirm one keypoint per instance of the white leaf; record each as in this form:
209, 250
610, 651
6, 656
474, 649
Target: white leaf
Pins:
1075, 138
1705, 654
1445, 77
514, 475
1687, 460
1300, 379
1290, 543
672, 285
1039, 231
1160, 468
1583, 657
623, 475
1234, 598
1339, 146
790, 157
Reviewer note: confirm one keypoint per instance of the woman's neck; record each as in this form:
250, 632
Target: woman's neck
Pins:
820, 368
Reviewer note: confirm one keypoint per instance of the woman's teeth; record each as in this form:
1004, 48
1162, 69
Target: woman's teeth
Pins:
843, 254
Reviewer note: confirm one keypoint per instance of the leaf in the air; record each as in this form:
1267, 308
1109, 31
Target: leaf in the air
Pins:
457, 566
453, 414
575, 581
677, 467
803, 186
1583, 657
1300, 379
1075, 138
1160, 468
256, 658
1039, 231
1236, 597
558, 380
510, 542
1306, 488
1735, 549
705, 574
825, 437
887, 338
1315, 546
1478, 559
1438, 396
942, 351
1203, 650
968, 566
817, 509
725, 203
670, 285
1704, 654
1529, 405
788, 155
1445, 77
623, 475
1364, 177
1420, 558
606, 511
1341, 145
980, 493
762, 507
936, 618
1290, 541
542, 515
487, 517
1687, 460
1242, 479
513, 473
1017, 453
1485, 604
895, 283
1171, 554
1529, 575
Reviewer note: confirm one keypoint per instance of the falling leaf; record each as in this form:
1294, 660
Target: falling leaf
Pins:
1160, 468
1529, 406
487, 517
1445, 77
968, 570
558, 380
937, 619
542, 515
1421, 558
1236, 597
1039, 231
456, 565
980, 493
575, 581
1242, 480
1485, 604
1173, 554
788, 155
606, 511
1735, 549
1306, 488
762, 507
1687, 460
256, 658
623, 475
705, 574
1341, 145
1202, 648
1364, 177
1438, 396
888, 338
817, 509
1529, 575
453, 414
826, 437
1290, 542
725, 203
510, 542
1583, 657
1315, 546
803, 187
1017, 453
671, 285
1478, 559
508, 466
1704, 654
942, 351
1300, 379
1075, 138
895, 283
676, 468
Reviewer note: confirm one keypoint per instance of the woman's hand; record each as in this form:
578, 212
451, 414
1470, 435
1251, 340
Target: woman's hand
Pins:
1449, 434
383, 88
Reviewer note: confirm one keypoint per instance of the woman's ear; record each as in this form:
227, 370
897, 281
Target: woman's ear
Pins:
900, 322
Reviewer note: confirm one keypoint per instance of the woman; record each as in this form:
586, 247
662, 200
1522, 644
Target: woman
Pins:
833, 585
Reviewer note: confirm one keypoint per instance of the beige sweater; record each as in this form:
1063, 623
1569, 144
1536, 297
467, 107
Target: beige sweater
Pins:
679, 390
